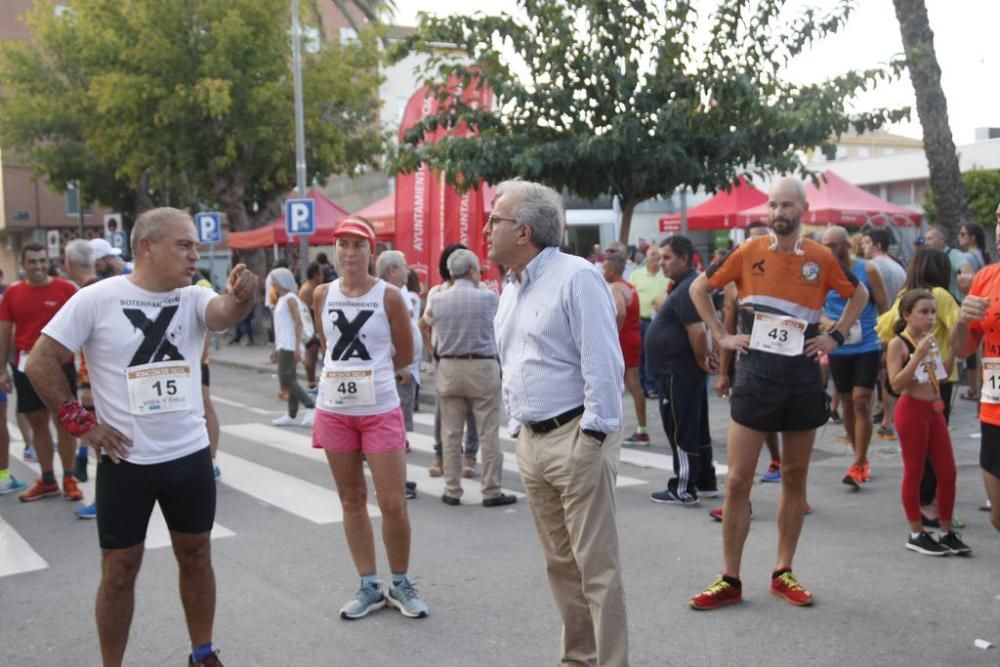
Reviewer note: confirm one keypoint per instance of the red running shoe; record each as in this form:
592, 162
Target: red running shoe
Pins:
854, 476
38, 491
787, 587
719, 594
71, 491
866, 471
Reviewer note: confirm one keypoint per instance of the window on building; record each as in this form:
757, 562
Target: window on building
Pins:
841, 153
73, 202
348, 35
864, 151
310, 40
900, 193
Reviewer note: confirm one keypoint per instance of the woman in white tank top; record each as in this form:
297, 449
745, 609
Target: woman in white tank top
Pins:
366, 340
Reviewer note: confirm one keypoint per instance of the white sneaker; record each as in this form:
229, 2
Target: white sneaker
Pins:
284, 420
307, 418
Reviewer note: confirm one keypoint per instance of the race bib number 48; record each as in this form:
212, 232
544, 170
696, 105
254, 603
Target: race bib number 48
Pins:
778, 335
160, 387
991, 380
348, 388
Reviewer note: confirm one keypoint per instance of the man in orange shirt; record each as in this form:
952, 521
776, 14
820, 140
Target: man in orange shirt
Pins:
782, 281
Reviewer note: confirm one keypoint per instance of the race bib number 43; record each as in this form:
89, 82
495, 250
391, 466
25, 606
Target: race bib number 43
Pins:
777, 334
348, 388
991, 380
161, 387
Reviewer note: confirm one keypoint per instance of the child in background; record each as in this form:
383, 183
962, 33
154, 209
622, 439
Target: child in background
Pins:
915, 369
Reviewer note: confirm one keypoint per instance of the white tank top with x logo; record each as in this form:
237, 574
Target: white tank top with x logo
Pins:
358, 374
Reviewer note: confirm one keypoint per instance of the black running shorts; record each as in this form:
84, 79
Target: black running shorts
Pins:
126, 493
774, 412
205, 379
989, 449
27, 399
855, 370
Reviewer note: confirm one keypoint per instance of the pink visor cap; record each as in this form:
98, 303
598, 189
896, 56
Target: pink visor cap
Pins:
351, 227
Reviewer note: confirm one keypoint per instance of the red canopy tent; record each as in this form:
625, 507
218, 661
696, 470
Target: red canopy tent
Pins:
382, 215
837, 202
328, 214
719, 212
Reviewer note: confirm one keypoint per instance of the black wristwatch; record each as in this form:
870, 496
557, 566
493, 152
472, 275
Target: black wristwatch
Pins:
837, 337
599, 436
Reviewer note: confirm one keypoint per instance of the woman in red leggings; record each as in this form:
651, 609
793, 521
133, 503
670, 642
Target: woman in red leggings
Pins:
915, 368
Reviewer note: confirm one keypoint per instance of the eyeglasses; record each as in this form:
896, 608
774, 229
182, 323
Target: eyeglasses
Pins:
493, 219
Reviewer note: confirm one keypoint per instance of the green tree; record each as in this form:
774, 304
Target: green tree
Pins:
617, 96
184, 103
982, 190
355, 12
932, 109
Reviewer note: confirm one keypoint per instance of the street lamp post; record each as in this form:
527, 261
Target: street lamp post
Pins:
300, 132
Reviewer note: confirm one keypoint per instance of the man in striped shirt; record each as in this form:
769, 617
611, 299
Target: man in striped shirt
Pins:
562, 388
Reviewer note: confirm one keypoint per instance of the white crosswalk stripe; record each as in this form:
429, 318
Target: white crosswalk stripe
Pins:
295, 496
633, 457
16, 555
425, 443
300, 444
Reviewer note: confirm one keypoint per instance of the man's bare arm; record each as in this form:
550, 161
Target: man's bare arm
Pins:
45, 372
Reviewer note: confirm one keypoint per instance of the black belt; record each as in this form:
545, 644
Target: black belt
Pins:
555, 422
466, 356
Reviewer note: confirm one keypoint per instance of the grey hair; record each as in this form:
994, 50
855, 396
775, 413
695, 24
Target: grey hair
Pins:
283, 278
616, 262
149, 225
462, 262
80, 253
387, 260
540, 208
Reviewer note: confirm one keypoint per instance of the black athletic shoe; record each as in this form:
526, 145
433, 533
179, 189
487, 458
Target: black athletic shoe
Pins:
952, 541
925, 544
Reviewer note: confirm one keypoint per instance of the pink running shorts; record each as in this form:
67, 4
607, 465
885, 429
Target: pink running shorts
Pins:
370, 434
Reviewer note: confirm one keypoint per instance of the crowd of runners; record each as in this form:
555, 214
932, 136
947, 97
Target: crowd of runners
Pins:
797, 332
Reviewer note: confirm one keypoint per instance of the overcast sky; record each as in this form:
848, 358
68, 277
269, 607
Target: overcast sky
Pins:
963, 33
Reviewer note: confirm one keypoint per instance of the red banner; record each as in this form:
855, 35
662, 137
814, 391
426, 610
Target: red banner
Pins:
431, 214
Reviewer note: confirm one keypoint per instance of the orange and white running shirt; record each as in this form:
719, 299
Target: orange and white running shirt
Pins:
987, 284
788, 285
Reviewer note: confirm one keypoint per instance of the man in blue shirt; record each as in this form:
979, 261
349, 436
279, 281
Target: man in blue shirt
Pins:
562, 388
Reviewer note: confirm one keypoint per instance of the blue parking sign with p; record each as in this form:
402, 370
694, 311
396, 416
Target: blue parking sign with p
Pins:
209, 226
300, 216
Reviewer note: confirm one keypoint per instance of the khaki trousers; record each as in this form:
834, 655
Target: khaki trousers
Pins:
478, 382
570, 481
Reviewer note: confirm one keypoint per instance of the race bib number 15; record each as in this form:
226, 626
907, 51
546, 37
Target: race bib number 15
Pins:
778, 335
159, 387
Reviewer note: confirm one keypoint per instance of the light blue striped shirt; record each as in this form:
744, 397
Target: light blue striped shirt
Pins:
558, 343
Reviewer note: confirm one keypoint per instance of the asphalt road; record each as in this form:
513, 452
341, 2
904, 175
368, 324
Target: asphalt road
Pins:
283, 568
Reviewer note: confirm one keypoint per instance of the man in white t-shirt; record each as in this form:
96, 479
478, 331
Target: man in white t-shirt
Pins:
142, 335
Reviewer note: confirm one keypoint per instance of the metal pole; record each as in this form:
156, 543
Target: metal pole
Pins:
300, 132
79, 207
211, 263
